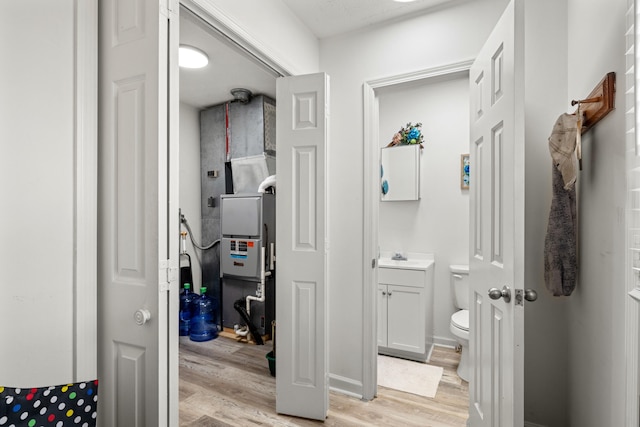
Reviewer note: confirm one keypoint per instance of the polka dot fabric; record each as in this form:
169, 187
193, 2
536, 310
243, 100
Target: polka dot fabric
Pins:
58, 406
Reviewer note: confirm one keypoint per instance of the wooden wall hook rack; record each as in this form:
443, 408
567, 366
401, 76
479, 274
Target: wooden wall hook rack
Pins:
599, 103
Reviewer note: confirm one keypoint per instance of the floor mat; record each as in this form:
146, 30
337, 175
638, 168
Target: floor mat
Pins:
409, 376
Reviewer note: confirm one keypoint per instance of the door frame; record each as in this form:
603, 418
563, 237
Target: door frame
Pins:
85, 263
370, 247
228, 28
632, 297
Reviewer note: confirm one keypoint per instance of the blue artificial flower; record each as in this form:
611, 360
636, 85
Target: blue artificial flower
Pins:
414, 133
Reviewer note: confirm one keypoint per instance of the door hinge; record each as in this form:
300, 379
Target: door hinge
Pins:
373, 263
167, 275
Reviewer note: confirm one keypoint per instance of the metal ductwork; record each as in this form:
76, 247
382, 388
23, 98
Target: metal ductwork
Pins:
241, 95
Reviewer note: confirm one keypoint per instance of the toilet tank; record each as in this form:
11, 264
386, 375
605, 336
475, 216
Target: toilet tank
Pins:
460, 285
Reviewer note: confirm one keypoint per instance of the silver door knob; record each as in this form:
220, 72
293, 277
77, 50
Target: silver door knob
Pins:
505, 293
530, 295
142, 316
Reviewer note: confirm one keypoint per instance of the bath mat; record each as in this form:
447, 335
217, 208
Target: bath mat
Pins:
409, 376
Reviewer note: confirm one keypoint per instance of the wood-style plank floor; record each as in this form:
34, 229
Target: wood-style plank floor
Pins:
226, 383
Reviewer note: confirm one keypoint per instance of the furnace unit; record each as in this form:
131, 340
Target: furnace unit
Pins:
247, 267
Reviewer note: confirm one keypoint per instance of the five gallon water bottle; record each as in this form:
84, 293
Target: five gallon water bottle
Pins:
186, 301
203, 326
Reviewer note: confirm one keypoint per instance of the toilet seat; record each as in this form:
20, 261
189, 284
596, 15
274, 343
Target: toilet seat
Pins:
460, 320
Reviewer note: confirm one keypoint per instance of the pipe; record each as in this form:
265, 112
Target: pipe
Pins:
183, 242
227, 137
240, 331
270, 181
183, 220
245, 316
260, 292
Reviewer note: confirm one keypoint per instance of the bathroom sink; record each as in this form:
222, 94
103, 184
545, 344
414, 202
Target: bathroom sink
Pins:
410, 263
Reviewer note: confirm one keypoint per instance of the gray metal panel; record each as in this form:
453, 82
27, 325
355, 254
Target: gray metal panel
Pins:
247, 123
243, 261
262, 313
270, 126
212, 156
241, 216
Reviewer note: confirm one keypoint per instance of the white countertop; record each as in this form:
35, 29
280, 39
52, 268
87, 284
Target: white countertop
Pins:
414, 261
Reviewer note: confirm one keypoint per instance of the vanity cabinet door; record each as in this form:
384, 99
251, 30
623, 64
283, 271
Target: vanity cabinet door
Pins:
405, 318
382, 315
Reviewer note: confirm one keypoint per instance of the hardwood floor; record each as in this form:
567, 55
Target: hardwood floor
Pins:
225, 383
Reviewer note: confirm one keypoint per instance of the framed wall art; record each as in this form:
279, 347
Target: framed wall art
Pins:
464, 171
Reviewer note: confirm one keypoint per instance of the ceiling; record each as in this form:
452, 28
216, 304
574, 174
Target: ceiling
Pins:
326, 18
228, 68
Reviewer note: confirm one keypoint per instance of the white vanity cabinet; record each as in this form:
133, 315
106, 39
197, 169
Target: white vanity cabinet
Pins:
405, 310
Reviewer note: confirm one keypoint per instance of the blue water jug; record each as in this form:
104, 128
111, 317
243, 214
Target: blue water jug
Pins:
203, 327
186, 301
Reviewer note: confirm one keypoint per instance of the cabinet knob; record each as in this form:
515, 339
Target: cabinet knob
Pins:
384, 293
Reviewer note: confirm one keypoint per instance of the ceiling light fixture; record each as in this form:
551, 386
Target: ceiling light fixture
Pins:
191, 57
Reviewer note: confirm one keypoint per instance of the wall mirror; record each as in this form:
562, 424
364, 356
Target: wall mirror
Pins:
400, 173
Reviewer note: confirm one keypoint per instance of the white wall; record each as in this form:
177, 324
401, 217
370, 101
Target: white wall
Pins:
439, 222
445, 36
596, 310
190, 184
269, 26
48, 178
546, 344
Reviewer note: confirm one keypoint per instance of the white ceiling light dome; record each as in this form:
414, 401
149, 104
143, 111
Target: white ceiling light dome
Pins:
191, 57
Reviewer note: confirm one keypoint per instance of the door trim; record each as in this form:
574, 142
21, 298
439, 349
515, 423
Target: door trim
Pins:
370, 217
85, 275
632, 299
228, 28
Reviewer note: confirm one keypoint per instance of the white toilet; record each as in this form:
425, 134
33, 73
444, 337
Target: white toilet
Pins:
459, 326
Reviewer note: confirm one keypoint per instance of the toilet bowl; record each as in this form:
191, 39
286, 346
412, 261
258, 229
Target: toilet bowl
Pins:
459, 325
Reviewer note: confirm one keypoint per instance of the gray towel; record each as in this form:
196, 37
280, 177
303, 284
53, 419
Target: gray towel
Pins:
560, 253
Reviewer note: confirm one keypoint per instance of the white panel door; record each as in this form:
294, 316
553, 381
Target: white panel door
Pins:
137, 215
497, 229
301, 234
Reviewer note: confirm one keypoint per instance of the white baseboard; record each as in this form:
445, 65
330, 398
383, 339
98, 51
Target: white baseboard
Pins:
445, 342
346, 386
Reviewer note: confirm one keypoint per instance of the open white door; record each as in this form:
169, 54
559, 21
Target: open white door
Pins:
138, 217
301, 234
497, 228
